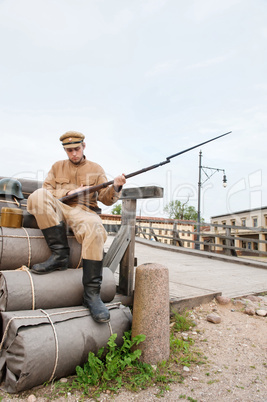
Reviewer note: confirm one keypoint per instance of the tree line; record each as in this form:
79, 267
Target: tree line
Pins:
174, 209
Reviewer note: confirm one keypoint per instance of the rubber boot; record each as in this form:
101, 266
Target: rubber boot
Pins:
57, 241
92, 279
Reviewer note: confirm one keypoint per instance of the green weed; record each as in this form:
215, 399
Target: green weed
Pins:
115, 367
212, 381
182, 322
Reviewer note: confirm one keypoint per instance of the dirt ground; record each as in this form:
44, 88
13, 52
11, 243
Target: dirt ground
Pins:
236, 368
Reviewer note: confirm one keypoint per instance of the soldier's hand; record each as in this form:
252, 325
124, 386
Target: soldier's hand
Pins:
119, 181
82, 187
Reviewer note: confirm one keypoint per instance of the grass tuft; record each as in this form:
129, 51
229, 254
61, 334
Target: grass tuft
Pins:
114, 367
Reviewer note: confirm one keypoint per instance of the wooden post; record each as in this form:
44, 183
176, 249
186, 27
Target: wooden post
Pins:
176, 237
150, 230
228, 241
128, 218
122, 248
174, 230
262, 246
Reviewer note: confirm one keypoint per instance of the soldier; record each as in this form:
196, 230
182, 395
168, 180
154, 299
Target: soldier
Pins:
65, 178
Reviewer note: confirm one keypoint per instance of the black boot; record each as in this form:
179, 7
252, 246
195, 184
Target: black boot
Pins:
57, 241
92, 279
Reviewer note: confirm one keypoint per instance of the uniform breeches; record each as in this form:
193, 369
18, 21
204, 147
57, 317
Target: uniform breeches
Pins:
86, 226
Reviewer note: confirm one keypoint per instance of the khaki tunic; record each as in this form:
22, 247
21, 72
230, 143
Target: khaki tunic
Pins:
65, 176
79, 214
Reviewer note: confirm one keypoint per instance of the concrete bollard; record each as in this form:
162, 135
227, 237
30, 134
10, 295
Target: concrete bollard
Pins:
151, 312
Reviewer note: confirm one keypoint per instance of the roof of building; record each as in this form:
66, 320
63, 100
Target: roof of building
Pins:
240, 212
154, 219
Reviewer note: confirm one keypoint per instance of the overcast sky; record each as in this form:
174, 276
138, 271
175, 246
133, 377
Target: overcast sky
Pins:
142, 80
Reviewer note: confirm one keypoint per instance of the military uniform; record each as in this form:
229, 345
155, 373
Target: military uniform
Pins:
80, 214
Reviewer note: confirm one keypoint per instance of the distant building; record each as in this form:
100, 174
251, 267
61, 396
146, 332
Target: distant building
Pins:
168, 231
248, 226
253, 218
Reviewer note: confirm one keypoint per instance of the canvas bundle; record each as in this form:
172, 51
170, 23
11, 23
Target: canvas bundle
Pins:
28, 247
21, 290
42, 345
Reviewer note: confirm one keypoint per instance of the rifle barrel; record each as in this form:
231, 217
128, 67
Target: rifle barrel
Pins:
127, 176
198, 145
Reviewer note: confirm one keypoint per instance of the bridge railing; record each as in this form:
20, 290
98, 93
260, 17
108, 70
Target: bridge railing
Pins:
235, 240
225, 239
216, 238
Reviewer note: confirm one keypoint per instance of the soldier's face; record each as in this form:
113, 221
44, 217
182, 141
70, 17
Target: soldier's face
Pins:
75, 155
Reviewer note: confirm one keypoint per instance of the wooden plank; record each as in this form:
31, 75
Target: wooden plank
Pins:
128, 218
136, 193
179, 305
120, 251
120, 242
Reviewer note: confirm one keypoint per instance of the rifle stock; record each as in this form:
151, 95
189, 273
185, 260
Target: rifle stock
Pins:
89, 190
98, 187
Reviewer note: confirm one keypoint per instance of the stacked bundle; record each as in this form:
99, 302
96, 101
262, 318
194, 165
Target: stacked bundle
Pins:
23, 246
41, 345
45, 332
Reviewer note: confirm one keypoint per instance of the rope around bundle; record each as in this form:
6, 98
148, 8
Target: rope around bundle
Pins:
29, 237
48, 316
26, 269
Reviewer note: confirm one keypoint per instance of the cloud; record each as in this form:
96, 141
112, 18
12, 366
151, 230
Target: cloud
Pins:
202, 10
62, 25
142, 79
163, 68
152, 6
212, 61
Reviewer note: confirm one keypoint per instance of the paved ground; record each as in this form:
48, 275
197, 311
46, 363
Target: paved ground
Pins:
194, 274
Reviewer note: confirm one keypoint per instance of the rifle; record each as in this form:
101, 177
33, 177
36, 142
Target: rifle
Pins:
98, 187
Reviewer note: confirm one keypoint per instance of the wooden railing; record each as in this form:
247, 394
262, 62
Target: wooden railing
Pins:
235, 240
223, 239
